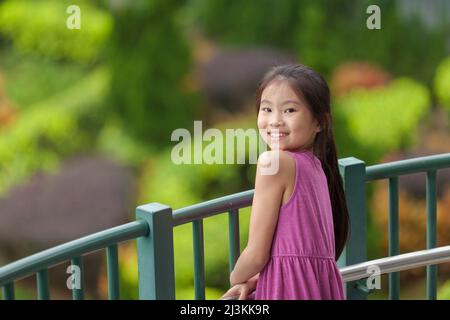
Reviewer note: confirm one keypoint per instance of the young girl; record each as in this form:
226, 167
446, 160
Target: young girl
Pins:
299, 219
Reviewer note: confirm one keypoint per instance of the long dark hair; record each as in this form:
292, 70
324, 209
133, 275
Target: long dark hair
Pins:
312, 88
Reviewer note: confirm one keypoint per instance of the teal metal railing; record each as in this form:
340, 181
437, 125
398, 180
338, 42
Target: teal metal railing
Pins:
39, 263
154, 225
391, 171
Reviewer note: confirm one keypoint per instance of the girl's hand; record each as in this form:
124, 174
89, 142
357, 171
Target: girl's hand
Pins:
238, 292
241, 290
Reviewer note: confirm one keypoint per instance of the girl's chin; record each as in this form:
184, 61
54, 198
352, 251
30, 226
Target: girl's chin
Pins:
276, 145
279, 147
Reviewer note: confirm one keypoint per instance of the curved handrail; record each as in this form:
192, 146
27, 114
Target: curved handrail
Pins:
212, 207
24, 267
399, 262
407, 166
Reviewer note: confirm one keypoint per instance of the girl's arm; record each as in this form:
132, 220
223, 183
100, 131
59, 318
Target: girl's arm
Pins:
267, 200
255, 278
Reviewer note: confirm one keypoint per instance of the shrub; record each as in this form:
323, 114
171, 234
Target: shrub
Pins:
30, 78
382, 119
52, 129
149, 58
40, 26
255, 22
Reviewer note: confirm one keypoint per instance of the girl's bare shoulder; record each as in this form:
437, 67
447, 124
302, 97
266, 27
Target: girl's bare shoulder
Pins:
281, 164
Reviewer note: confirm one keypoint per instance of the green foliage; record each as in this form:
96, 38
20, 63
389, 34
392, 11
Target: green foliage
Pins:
254, 22
444, 291
150, 59
22, 292
319, 32
442, 83
40, 26
113, 140
182, 185
187, 293
395, 47
30, 78
52, 129
314, 20
381, 120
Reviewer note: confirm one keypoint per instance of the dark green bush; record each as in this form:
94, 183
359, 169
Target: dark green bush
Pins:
150, 59
253, 22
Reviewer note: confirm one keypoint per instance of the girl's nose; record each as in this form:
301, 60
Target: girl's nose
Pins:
276, 123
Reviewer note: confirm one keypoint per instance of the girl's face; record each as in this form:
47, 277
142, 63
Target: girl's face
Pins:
284, 121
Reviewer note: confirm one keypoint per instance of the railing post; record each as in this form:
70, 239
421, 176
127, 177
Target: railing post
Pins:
353, 172
155, 253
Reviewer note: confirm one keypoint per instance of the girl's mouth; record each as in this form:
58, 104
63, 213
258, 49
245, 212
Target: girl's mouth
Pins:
277, 135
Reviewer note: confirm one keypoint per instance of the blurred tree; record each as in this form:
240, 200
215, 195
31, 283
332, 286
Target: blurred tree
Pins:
325, 29
150, 59
321, 31
252, 22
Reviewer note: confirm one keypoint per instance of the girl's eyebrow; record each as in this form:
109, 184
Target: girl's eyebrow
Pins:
285, 102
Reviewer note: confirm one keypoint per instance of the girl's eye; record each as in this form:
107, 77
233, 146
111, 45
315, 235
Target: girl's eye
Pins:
290, 110
265, 109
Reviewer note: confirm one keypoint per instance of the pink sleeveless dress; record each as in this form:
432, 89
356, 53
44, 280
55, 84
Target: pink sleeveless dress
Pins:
302, 265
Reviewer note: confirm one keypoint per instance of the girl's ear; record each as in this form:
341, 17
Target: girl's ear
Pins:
318, 127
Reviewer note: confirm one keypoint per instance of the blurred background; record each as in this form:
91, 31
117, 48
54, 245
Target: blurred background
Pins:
86, 117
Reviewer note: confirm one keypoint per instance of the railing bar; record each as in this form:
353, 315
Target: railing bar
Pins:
56, 255
199, 260
8, 291
112, 258
408, 166
42, 285
394, 277
77, 279
212, 207
401, 262
431, 232
233, 234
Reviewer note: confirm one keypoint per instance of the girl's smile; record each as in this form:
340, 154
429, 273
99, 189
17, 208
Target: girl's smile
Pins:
274, 134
